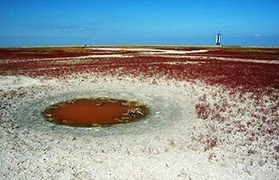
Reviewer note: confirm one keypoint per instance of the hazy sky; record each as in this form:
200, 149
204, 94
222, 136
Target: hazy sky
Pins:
195, 22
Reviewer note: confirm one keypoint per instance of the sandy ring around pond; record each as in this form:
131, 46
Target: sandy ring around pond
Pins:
163, 109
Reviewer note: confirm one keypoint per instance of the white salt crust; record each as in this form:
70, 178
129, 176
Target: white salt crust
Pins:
158, 147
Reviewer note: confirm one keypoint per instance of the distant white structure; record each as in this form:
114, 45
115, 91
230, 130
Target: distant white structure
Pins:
218, 39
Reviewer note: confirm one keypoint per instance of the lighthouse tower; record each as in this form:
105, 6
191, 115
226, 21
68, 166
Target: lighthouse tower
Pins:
218, 39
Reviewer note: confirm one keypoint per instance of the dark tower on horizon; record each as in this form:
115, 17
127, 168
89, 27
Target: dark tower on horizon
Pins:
218, 39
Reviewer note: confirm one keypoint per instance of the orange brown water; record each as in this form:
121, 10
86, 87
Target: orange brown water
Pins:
95, 112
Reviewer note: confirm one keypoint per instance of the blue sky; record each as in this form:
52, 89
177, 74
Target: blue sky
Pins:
138, 22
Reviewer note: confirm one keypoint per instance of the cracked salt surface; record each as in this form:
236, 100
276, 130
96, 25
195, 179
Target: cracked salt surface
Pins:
158, 147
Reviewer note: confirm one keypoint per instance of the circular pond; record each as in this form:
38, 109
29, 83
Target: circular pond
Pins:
95, 112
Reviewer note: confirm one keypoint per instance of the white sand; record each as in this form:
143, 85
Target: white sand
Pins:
152, 51
169, 144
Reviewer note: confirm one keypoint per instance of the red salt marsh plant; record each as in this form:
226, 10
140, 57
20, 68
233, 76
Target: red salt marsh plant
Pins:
256, 121
243, 76
240, 76
42, 52
252, 117
245, 53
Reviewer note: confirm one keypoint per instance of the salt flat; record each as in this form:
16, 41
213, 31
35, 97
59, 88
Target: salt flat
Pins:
194, 130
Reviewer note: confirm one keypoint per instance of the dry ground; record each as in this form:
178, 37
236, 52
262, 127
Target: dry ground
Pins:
214, 113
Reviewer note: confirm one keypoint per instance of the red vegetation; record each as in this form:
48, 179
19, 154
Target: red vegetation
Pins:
243, 76
26, 54
202, 110
259, 125
245, 53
